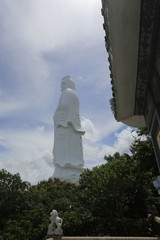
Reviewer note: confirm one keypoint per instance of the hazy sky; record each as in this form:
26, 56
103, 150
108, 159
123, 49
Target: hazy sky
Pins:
41, 42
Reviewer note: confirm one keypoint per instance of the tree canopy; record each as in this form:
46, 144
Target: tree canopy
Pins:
111, 199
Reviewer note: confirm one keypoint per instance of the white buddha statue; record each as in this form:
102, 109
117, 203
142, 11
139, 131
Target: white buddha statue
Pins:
68, 151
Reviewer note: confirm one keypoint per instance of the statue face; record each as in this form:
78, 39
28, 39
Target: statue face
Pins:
67, 83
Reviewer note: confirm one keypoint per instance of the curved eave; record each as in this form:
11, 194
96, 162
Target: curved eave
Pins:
122, 26
134, 121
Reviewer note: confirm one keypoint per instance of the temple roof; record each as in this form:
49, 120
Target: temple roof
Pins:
130, 32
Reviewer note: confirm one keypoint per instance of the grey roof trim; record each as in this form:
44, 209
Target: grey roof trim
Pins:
106, 27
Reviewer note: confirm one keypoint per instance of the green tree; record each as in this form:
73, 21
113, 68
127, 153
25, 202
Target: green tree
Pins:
112, 199
13, 192
120, 193
143, 152
64, 197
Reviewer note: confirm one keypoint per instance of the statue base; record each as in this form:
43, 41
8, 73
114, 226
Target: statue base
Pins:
67, 173
53, 237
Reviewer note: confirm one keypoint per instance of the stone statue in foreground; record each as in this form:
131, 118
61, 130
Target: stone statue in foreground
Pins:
67, 151
54, 227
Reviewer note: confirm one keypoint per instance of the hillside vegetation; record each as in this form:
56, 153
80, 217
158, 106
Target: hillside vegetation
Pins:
112, 199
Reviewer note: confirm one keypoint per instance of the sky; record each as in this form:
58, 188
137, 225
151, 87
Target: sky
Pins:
41, 42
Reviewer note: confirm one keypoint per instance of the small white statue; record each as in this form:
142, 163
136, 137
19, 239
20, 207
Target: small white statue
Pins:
54, 227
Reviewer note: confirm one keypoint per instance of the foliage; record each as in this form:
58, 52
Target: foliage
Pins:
118, 196
13, 192
111, 199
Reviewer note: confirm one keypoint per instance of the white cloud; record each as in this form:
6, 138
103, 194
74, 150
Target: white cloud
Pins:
2, 141
91, 133
30, 32
9, 107
122, 143
47, 24
95, 149
124, 140
28, 152
29, 29
32, 168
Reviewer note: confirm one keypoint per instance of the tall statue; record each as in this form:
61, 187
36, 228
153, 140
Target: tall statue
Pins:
68, 151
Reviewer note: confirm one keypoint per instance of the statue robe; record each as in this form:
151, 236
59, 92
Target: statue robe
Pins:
67, 149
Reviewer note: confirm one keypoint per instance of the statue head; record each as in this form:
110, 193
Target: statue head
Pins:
54, 213
67, 83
